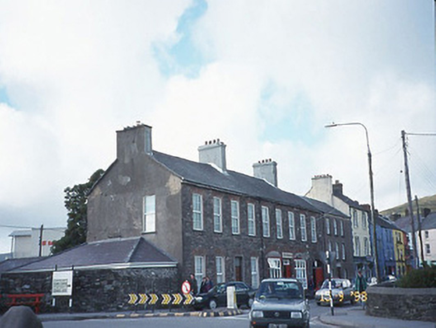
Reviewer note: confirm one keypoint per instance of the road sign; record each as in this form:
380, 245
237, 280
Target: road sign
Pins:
177, 299
143, 298
166, 299
133, 298
188, 299
186, 287
154, 299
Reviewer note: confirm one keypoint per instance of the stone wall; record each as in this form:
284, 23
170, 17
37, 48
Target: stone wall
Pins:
402, 303
94, 290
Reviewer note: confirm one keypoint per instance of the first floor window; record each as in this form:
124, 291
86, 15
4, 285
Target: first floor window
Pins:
303, 227
343, 252
291, 226
235, 217
275, 269
337, 251
427, 249
279, 224
251, 220
335, 227
265, 221
197, 211
357, 246
366, 246
300, 272
217, 218
342, 228
200, 268
313, 229
327, 226
149, 219
220, 269
254, 263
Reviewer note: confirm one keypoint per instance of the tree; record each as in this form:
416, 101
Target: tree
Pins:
76, 202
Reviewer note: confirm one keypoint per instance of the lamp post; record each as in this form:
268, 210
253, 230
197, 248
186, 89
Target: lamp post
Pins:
371, 187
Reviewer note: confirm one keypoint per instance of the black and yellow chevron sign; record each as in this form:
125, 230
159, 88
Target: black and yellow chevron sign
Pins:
164, 299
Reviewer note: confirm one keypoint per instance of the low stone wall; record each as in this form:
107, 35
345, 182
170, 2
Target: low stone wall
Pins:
402, 303
93, 290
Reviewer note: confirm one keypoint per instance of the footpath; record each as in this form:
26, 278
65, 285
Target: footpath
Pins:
356, 317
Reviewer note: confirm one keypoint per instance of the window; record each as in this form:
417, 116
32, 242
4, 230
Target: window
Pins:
335, 227
355, 219
357, 246
254, 263
303, 227
427, 249
217, 217
149, 218
251, 220
275, 270
327, 226
279, 224
426, 234
343, 252
300, 272
313, 229
200, 268
265, 221
342, 228
197, 211
220, 270
235, 217
366, 246
291, 226
330, 247
364, 219
337, 251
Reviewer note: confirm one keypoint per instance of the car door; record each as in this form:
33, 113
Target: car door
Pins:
221, 295
241, 293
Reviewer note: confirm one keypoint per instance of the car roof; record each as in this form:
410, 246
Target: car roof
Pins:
280, 279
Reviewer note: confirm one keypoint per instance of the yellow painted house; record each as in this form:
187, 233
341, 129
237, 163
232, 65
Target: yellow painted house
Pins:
399, 239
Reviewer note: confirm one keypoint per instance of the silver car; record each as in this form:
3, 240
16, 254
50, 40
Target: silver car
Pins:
280, 303
342, 291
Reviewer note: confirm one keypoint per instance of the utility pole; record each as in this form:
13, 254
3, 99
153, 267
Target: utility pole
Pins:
409, 198
40, 239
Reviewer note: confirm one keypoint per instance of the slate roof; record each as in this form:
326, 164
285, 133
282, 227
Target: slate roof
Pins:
11, 264
107, 254
427, 223
230, 181
387, 224
325, 208
349, 201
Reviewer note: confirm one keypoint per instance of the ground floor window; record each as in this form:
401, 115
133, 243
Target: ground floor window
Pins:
220, 270
275, 269
254, 272
300, 272
200, 268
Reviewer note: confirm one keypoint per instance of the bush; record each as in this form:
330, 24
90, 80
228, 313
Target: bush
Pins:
420, 278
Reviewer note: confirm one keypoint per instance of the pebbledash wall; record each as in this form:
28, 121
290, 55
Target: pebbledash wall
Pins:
402, 303
93, 290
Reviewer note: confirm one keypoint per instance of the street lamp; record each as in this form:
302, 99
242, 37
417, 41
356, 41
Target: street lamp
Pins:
371, 186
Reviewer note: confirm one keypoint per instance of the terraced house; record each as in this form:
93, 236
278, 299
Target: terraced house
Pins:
211, 220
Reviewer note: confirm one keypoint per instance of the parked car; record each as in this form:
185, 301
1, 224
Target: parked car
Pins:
217, 296
342, 292
280, 303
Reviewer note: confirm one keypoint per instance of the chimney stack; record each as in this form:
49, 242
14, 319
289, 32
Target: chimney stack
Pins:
213, 152
337, 188
266, 169
132, 141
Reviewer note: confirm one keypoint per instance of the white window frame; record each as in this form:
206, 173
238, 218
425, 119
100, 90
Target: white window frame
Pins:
236, 228
251, 218
254, 264
220, 269
291, 219
217, 215
366, 246
327, 226
313, 229
197, 212
303, 228
355, 218
342, 228
343, 252
265, 222
199, 268
275, 268
364, 225
149, 214
357, 245
337, 250
335, 227
279, 224
300, 272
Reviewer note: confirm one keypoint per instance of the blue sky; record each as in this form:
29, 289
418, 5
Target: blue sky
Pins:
263, 76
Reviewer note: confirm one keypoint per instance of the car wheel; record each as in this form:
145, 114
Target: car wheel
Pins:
250, 302
318, 303
212, 304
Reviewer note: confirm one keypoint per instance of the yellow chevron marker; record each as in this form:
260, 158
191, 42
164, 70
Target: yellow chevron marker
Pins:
154, 299
166, 299
177, 299
143, 298
133, 298
188, 299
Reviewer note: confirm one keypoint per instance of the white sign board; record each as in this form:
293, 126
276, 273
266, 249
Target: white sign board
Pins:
62, 283
231, 297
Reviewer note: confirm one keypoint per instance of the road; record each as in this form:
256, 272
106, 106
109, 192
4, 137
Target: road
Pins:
240, 321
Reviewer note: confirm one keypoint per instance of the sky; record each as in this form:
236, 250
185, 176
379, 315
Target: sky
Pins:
263, 76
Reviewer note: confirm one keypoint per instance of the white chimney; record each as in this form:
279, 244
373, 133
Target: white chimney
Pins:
267, 170
213, 152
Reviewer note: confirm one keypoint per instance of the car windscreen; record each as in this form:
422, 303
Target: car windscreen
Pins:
280, 290
335, 284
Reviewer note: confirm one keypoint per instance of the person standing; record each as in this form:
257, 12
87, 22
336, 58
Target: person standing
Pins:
360, 286
193, 283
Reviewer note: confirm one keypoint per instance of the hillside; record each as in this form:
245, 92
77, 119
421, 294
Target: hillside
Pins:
425, 202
